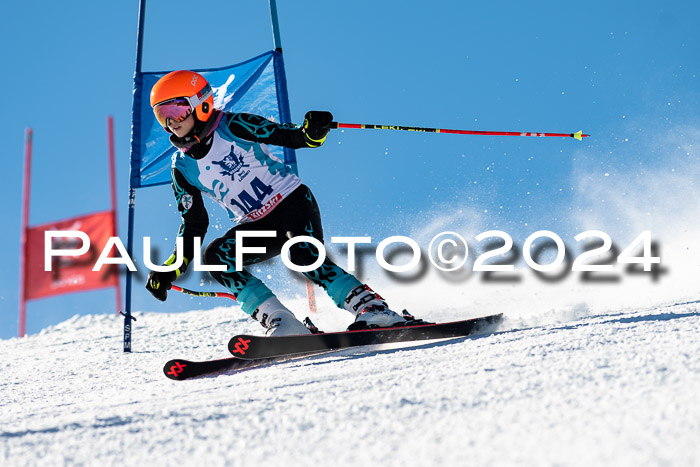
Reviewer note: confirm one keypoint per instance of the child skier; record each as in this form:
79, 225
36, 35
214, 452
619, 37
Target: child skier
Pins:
224, 156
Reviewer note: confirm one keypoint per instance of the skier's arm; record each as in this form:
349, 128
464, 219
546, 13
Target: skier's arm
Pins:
195, 222
195, 219
311, 134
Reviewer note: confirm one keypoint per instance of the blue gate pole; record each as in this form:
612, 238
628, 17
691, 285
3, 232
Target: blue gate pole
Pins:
281, 79
275, 26
135, 147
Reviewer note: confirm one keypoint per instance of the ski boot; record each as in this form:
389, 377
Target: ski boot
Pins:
278, 320
370, 310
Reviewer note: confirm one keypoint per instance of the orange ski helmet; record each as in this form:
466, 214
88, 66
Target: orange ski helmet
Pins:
179, 93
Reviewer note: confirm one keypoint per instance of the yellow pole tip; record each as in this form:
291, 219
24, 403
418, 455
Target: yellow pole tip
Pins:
578, 135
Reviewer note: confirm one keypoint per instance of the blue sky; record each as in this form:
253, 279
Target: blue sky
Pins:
625, 72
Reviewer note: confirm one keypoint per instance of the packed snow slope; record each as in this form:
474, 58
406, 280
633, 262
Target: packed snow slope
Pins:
619, 389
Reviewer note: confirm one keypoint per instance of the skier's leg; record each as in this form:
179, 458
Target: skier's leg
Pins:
346, 291
256, 299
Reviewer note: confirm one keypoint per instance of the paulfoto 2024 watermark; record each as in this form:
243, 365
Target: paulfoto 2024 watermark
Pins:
447, 251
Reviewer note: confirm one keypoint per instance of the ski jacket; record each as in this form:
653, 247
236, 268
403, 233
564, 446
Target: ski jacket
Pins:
229, 161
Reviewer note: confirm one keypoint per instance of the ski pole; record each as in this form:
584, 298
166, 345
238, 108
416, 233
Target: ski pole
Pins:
203, 294
578, 135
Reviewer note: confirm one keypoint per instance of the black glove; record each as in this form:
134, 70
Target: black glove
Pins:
159, 283
317, 124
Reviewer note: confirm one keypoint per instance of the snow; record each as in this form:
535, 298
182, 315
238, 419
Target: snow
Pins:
618, 388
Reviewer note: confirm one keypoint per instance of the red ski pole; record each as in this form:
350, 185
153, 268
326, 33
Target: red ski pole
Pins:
203, 294
578, 135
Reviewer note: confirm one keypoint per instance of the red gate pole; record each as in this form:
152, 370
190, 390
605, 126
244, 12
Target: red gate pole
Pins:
23, 236
113, 190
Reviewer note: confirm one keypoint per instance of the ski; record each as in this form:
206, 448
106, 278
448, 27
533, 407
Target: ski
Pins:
180, 369
247, 347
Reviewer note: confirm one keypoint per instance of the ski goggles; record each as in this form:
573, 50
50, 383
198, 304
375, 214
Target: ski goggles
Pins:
179, 108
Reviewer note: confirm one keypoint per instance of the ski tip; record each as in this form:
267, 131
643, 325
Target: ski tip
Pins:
174, 368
